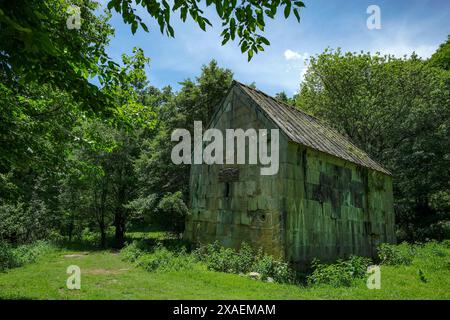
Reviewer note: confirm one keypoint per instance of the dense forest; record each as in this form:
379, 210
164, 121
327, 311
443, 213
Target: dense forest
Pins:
85, 141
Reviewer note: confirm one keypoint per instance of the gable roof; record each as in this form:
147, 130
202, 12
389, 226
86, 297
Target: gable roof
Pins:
309, 131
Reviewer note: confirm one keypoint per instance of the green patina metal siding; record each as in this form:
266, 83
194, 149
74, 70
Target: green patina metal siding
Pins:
317, 206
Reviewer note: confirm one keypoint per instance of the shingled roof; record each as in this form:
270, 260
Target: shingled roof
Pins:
309, 131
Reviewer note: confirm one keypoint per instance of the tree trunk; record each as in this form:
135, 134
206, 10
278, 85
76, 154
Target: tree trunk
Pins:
102, 236
120, 218
120, 230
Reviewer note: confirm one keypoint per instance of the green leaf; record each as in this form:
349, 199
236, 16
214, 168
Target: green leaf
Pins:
225, 39
144, 26
232, 28
287, 9
170, 30
207, 22
250, 54
244, 46
201, 23
297, 14
183, 13
260, 19
177, 5
264, 40
219, 8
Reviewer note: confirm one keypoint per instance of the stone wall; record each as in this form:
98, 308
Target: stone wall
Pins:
335, 208
243, 209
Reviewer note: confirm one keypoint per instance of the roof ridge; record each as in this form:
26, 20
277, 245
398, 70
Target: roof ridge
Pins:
277, 100
320, 121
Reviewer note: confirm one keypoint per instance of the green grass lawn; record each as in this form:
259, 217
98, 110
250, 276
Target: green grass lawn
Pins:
105, 276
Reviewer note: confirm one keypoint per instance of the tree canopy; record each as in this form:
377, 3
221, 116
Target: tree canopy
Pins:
242, 20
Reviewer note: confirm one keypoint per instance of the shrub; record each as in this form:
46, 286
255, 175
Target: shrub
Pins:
29, 253
164, 260
90, 236
132, 252
21, 223
203, 251
222, 260
218, 258
279, 271
341, 273
11, 257
7, 259
432, 256
357, 266
172, 211
157, 258
446, 243
401, 254
245, 259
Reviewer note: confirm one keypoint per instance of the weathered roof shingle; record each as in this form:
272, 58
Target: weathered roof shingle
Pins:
309, 131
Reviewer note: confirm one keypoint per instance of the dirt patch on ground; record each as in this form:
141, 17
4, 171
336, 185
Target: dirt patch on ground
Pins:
76, 255
104, 271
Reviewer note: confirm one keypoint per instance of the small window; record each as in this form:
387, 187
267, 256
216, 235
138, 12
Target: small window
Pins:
227, 189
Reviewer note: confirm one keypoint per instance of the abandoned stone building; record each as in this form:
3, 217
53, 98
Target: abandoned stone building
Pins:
329, 199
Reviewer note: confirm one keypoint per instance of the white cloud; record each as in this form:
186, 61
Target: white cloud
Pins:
294, 55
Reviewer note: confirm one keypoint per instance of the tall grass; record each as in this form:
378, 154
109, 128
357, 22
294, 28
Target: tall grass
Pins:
13, 257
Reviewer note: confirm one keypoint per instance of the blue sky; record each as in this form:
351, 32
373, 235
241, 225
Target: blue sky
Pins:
406, 26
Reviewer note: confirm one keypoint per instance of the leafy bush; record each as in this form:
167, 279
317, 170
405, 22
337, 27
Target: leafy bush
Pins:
391, 254
341, 273
357, 266
446, 243
11, 257
7, 259
90, 236
20, 223
172, 211
158, 258
438, 230
164, 260
223, 260
245, 258
26, 254
93, 237
132, 252
218, 258
431, 256
279, 271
